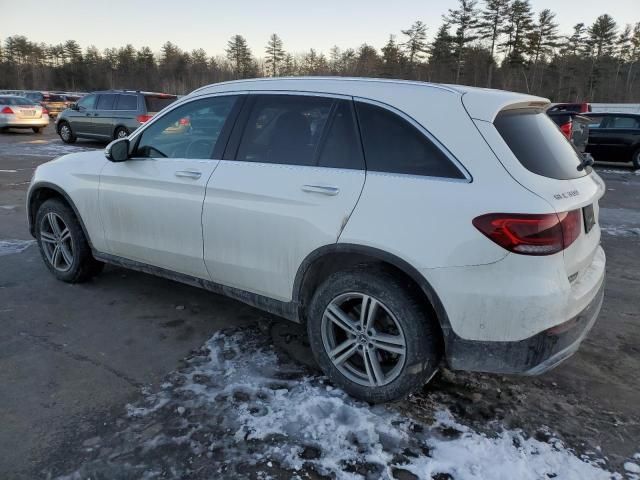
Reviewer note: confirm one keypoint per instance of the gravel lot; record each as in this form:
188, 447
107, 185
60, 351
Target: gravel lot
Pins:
131, 376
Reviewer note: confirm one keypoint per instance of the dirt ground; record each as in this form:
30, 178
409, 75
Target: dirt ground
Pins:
92, 376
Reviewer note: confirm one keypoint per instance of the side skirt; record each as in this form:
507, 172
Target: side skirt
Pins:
288, 310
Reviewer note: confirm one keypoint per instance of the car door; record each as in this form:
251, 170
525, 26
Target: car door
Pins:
151, 204
102, 125
623, 133
290, 178
81, 119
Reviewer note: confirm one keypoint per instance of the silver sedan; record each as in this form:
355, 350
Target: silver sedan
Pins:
20, 112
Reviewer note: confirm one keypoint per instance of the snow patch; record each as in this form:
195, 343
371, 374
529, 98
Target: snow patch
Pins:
632, 467
239, 407
7, 247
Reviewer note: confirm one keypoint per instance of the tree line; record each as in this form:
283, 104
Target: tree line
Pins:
496, 43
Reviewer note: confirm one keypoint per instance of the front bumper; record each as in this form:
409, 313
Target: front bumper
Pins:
530, 356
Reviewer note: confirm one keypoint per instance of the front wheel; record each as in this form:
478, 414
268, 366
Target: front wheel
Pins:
65, 132
63, 245
636, 160
372, 336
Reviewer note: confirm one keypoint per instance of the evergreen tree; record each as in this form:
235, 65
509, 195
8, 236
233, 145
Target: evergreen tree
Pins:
443, 57
239, 55
275, 55
518, 29
416, 44
392, 59
543, 39
465, 21
490, 26
602, 36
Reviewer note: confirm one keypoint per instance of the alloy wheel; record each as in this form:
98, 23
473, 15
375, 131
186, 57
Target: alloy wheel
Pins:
56, 241
363, 339
65, 132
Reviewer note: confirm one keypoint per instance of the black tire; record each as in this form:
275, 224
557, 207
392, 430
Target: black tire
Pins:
37, 129
66, 137
636, 160
421, 331
84, 266
120, 132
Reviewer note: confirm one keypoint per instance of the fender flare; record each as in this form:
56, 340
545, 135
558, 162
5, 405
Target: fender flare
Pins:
377, 254
51, 186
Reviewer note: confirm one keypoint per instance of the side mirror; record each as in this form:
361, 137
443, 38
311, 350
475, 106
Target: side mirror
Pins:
118, 150
74, 106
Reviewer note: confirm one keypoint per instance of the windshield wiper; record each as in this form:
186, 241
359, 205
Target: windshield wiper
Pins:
587, 161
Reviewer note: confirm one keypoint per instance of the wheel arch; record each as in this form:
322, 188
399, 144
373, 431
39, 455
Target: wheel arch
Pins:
43, 191
335, 257
116, 127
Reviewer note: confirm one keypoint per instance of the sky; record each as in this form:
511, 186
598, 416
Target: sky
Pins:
301, 24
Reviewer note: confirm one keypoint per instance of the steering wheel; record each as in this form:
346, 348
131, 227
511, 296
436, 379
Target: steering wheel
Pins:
199, 149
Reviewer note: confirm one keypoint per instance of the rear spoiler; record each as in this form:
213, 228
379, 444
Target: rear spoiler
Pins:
489, 103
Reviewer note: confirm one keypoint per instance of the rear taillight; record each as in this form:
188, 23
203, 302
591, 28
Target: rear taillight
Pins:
143, 118
45, 111
566, 129
542, 234
7, 111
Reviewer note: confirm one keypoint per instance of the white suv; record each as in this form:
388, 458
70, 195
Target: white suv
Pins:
403, 223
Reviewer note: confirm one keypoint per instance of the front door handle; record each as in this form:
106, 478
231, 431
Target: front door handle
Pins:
323, 189
188, 174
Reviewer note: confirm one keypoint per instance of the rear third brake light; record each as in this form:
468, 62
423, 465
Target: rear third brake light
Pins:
566, 129
143, 118
7, 110
542, 234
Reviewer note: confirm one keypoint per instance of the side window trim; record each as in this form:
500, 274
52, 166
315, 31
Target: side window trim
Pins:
467, 176
223, 138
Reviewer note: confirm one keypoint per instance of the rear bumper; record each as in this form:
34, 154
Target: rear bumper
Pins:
530, 356
11, 121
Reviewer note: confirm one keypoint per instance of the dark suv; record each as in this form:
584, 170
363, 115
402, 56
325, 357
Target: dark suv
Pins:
109, 114
614, 137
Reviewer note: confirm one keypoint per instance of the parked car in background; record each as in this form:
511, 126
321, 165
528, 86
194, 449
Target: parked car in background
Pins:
474, 240
614, 137
574, 126
109, 114
20, 112
583, 107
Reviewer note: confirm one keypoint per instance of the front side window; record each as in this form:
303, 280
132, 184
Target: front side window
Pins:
285, 129
188, 131
87, 102
392, 144
127, 102
105, 102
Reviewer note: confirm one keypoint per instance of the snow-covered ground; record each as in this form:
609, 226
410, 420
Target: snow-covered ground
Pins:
620, 221
8, 247
240, 408
40, 148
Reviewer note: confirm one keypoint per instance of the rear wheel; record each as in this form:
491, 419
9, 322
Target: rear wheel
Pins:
37, 129
63, 246
121, 132
636, 160
65, 132
371, 336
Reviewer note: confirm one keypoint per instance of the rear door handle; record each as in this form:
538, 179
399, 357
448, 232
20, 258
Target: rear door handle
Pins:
323, 189
188, 174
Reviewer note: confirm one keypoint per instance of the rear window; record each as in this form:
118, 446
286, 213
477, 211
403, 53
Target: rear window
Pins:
15, 101
539, 145
55, 98
155, 103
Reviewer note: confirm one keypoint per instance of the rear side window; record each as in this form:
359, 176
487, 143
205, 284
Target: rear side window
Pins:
284, 129
623, 122
538, 144
127, 102
156, 103
391, 144
105, 102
